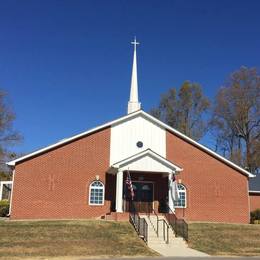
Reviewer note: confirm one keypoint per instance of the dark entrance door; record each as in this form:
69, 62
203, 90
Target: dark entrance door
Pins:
143, 197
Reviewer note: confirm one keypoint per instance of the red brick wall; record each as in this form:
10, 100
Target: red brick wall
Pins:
254, 201
56, 184
215, 191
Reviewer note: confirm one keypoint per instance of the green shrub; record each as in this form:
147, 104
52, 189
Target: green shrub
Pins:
4, 208
255, 216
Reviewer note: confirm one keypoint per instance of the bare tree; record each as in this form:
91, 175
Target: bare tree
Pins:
184, 110
236, 117
8, 136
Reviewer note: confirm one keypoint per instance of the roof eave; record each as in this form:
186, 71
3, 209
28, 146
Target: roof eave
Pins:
245, 172
64, 141
170, 129
255, 191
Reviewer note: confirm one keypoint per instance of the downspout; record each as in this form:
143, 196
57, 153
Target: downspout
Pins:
11, 199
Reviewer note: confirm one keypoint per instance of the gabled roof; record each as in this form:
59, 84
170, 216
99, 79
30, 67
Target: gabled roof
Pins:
144, 154
122, 119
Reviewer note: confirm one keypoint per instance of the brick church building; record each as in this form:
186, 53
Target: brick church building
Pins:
84, 176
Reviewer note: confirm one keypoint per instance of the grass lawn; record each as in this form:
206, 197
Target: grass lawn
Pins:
225, 239
83, 238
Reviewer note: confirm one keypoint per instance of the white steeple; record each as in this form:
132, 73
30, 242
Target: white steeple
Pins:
133, 103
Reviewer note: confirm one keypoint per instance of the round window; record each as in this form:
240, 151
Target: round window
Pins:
139, 144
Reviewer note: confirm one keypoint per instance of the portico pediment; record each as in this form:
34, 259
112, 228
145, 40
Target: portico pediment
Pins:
146, 160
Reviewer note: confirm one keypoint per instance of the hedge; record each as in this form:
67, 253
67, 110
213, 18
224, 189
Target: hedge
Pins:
4, 208
255, 216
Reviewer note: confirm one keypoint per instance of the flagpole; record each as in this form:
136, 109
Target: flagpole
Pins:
130, 203
124, 194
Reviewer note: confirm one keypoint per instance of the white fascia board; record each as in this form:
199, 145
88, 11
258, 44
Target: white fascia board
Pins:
198, 145
145, 153
254, 191
64, 141
153, 119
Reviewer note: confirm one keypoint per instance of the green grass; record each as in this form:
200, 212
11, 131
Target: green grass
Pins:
225, 239
20, 239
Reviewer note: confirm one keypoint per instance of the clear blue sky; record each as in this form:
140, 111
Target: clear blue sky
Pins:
66, 65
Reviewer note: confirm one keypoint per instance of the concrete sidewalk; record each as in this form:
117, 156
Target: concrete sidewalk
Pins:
175, 251
176, 248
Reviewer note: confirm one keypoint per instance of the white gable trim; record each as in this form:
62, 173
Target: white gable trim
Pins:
67, 140
162, 164
202, 147
254, 191
121, 119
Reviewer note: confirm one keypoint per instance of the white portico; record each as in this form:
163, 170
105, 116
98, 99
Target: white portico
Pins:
148, 163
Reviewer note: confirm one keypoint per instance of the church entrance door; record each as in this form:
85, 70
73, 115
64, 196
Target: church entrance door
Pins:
143, 196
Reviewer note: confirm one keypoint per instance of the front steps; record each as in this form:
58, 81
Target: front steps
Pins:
176, 246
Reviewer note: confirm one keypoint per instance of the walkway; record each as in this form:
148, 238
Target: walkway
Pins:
176, 246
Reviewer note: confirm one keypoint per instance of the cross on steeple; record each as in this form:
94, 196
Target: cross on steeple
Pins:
133, 103
135, 43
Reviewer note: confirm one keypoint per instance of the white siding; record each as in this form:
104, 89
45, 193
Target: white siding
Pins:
126, 134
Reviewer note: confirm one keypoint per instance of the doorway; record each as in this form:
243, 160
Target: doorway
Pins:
143, 197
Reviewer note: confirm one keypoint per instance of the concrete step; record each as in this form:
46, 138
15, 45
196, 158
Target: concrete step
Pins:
176, 246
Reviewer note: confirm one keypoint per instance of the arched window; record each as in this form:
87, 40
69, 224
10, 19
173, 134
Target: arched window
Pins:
182, 202
96, 193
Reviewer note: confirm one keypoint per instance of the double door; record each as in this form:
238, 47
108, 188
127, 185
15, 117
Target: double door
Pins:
143, 197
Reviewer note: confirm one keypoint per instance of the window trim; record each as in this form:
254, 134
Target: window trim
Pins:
103, 197
2, 183
185, 192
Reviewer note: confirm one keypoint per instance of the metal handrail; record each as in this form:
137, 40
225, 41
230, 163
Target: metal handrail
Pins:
179, 226
140, 225
167, 226
157, 220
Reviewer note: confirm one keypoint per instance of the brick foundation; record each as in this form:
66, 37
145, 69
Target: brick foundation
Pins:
116, 216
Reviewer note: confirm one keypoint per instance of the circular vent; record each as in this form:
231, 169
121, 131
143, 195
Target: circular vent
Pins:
139, 144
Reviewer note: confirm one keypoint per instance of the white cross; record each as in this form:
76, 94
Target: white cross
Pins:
135, 43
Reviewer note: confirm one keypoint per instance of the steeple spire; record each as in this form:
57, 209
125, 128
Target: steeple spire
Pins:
133, 103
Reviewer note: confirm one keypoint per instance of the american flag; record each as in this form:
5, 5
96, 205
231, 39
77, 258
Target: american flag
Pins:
129, 184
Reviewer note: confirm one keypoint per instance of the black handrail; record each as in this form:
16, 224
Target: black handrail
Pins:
157, 220
140, 225
165, 235
165, 225
179, 226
